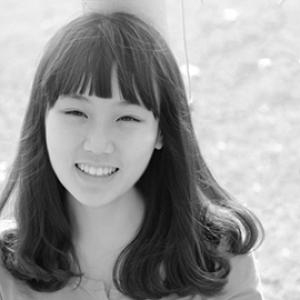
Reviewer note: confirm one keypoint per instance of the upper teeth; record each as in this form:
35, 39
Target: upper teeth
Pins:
104, 171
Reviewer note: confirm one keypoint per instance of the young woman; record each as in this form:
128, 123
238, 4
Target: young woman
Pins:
112, 196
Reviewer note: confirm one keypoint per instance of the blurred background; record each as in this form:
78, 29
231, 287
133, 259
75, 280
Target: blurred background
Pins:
244, 64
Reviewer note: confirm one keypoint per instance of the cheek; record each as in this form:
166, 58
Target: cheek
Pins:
140, 147
59, 139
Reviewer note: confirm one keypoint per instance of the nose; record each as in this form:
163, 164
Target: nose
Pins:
98, 140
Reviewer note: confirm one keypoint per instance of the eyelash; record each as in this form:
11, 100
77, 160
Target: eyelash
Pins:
130, 119
78, 113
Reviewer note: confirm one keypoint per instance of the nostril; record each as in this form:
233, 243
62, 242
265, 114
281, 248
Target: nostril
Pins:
98, 145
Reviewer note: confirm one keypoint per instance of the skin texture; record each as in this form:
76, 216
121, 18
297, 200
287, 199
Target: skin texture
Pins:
101, 133
106, 211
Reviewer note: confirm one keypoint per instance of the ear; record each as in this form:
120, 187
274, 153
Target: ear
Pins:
159, 141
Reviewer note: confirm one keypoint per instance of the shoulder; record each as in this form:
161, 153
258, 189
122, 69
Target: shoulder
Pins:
10, 287
243, 280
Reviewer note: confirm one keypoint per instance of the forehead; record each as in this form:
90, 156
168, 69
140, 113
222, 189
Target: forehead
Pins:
93, 99
116, 93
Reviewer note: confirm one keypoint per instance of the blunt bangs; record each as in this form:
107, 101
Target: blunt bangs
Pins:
81, 56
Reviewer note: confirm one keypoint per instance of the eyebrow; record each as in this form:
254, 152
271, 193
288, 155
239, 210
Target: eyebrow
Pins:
123, 102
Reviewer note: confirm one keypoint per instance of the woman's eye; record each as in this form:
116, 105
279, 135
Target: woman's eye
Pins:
76, 113
128, 119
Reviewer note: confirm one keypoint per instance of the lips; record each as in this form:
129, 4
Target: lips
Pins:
103, 171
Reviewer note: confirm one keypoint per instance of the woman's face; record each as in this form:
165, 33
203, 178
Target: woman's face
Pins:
98, 147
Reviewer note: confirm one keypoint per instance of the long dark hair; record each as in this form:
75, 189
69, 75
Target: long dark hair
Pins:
191, 224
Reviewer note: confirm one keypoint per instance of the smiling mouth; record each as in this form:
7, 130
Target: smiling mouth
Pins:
96, 172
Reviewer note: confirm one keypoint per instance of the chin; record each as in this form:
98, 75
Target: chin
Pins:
93, 202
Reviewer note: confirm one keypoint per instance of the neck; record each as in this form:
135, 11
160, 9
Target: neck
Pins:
100, 233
